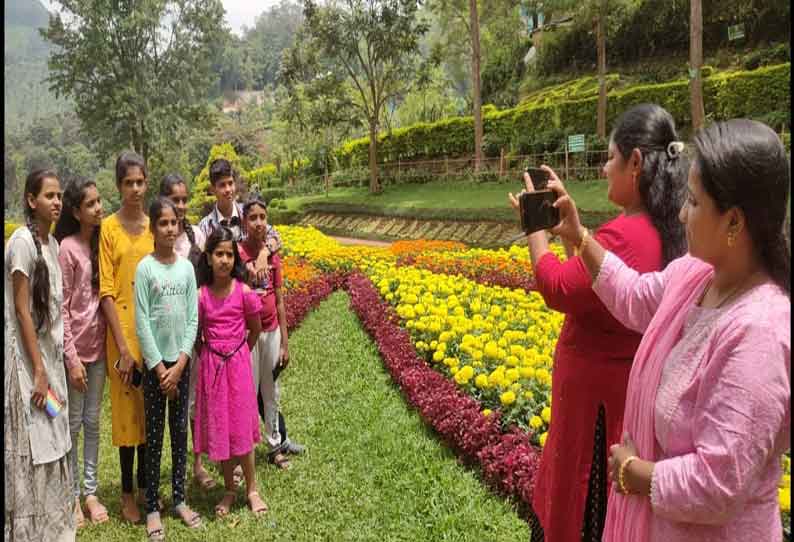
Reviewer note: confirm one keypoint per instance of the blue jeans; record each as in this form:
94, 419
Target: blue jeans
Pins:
84, 412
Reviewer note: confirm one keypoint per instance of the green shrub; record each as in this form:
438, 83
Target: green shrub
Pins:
263, 177
536, 128
270, 194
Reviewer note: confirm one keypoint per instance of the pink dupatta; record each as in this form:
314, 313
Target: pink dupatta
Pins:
629, 517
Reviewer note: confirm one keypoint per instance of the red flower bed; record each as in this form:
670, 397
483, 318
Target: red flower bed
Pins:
299, 302
508, 461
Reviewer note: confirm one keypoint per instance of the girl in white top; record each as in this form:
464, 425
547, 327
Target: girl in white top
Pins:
39, 504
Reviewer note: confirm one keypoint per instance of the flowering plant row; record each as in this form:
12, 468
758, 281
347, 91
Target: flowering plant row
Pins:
507, 459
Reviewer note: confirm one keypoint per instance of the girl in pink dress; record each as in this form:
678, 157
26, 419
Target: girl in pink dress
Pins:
227, 422
708, 411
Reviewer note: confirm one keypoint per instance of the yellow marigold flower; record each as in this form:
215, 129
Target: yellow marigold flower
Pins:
535, 422
526, 372
543, 439
468, 371
477, 355
785, 481
512, 361
390, 297
481, 381
512, 375
453, 370
784, 496
438, 356
487, 412
419, 308
529, 395
546, 414
491, 349
507, 398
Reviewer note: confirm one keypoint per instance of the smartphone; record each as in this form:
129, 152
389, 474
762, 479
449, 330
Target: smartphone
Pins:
538, 211
53, 406
540, 177
137, 375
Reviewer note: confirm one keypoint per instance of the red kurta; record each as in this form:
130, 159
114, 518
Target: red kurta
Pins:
591, 368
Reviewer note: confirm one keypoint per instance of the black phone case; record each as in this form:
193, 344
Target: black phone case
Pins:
540, 177
538, 211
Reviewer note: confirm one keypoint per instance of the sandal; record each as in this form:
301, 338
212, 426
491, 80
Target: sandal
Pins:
221, 510
96, 510
238, 475
129, 508
193, 522
280, 460
204, 480
156, 535
260, 510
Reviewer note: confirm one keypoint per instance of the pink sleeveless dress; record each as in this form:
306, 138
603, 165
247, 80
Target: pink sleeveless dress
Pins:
227, 421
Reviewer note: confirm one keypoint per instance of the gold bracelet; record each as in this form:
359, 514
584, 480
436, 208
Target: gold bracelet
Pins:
577, 251
621, 472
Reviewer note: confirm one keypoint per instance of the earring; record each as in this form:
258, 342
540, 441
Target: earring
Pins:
731, 238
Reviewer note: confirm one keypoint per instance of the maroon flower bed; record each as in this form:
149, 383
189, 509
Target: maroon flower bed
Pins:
489, 277
508, 461
298, 303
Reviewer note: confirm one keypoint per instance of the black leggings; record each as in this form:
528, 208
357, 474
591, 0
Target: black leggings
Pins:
127, 460
595, 508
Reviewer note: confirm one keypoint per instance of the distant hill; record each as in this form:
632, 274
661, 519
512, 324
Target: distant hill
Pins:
26, 52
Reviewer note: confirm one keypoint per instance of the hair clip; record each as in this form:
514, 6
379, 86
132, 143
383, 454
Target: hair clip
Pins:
674, 149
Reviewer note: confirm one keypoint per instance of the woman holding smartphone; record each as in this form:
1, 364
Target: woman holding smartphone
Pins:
125, 239
646, 177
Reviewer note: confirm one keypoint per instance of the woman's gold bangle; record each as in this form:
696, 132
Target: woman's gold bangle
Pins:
585, 236
622, 471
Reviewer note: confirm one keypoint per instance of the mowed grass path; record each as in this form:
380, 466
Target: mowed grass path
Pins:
373, 470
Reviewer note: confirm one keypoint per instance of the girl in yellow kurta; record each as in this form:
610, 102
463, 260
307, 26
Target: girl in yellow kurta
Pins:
124, 240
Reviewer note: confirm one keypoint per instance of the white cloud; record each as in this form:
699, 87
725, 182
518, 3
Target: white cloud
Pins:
239, 13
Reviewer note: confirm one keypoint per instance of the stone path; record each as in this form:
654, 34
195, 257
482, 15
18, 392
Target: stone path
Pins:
365, 242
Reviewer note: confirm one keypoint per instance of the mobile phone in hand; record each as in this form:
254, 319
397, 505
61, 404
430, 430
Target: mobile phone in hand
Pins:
540, 177
137, 375
53, 405
538, 211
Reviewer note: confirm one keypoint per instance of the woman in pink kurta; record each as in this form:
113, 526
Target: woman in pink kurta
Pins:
707, 409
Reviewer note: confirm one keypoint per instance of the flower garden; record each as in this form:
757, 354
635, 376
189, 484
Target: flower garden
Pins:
461, 332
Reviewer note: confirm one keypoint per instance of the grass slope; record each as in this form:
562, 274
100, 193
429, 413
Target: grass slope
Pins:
373, 470
447, 199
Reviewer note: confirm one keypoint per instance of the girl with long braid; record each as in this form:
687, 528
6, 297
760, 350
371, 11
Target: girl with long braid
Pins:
39, 505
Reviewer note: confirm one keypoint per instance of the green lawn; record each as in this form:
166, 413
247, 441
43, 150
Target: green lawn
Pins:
589, 195
373, 470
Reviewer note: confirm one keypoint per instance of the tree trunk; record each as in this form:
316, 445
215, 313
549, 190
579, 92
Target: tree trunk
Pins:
601, 38
695, 62
475, 79
374, 185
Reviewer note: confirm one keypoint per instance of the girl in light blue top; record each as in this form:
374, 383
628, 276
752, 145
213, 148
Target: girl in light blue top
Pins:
166, 320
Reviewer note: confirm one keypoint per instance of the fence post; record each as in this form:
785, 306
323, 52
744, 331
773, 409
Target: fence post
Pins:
566, 160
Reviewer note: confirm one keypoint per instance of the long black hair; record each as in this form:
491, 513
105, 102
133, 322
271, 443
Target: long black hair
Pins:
662, 181
40, 282
166, 188
156, 211
204, 271
73, 196
742, 163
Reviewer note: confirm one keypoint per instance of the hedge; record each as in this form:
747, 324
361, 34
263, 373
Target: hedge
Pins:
761, 94
201, 201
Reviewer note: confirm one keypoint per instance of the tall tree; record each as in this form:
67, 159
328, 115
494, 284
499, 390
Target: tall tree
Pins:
372, 45
138, 72
601, 39
695, 62
475, 80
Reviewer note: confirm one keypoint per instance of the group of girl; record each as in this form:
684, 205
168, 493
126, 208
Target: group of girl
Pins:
163, 312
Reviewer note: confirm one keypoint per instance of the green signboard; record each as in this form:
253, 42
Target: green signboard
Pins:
735, 32
576, 143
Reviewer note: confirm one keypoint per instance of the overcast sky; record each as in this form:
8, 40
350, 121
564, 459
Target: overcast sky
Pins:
238, 12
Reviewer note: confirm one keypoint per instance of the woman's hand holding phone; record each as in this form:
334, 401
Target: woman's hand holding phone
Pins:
40, 387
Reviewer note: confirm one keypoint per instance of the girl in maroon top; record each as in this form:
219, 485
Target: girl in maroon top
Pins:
594, 352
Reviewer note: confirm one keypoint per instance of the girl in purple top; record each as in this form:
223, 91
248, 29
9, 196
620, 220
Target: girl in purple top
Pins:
707, 414
84, 326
